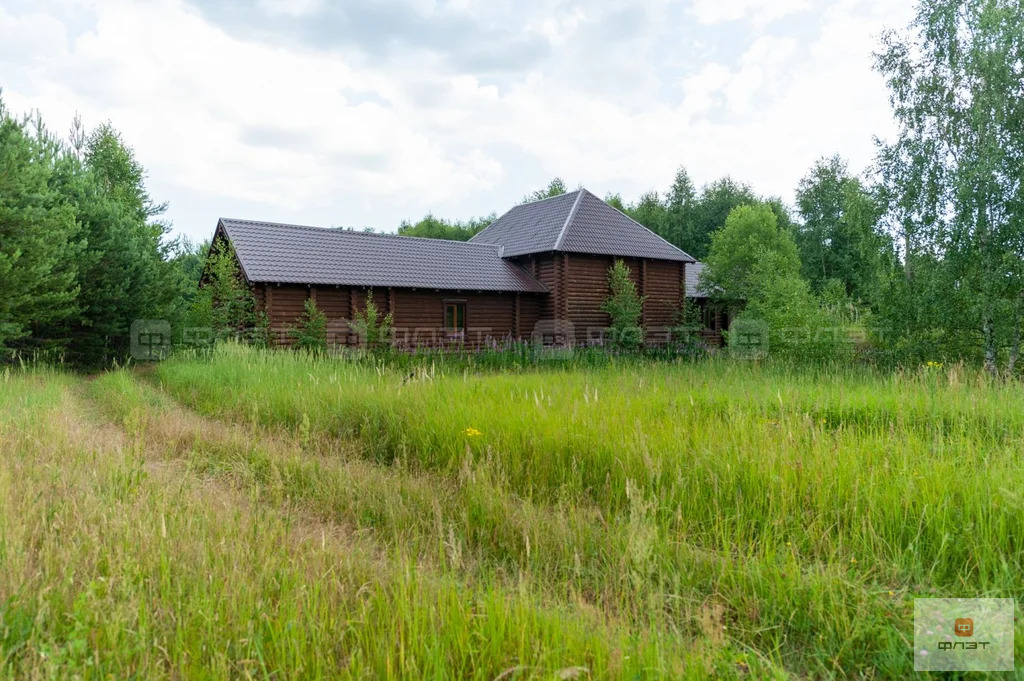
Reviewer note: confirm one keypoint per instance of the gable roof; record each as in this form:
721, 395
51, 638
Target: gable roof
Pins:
693, 287
577, 222
280, 253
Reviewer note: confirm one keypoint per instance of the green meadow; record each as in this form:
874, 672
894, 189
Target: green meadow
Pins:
274, 515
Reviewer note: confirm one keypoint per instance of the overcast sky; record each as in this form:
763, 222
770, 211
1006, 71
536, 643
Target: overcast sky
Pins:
364, 114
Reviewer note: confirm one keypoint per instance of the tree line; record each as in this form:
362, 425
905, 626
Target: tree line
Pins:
922, 253
921, 256
83, 250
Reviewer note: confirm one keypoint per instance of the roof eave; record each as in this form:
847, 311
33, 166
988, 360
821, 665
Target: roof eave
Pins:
222, 228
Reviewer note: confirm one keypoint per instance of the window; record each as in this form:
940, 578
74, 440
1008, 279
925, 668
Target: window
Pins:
455, 319
708, 314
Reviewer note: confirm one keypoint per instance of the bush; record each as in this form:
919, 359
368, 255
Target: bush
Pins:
224, 304
311, 333
625, 308
686, 334
799, 326
374, 331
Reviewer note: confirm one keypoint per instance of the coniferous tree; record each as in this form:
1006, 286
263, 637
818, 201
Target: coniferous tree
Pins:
625, 308
38, 241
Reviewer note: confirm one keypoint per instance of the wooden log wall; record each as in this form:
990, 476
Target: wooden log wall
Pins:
578, 287
418, 315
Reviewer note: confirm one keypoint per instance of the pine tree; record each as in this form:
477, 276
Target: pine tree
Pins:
625, 307
37, 240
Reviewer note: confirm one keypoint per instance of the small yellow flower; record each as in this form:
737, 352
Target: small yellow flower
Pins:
892, 593
472, 432
853, 560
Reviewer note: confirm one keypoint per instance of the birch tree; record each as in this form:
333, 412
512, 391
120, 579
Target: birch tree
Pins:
954, 172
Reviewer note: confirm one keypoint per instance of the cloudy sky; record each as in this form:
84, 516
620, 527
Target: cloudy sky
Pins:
366, 113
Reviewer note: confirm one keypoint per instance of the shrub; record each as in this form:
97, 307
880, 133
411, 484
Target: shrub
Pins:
799, 326
625, 307
374, 331
686, 334
311, 333
224, 303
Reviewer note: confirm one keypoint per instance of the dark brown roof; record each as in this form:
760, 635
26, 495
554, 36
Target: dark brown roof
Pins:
273, 252
577, 222
693, 287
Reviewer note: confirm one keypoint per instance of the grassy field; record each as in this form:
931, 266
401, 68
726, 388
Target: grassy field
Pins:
274, 515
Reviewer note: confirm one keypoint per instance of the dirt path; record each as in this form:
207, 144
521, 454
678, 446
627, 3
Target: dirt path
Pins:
230, 466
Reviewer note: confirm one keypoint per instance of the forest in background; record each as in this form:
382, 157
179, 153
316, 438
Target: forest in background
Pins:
923, 253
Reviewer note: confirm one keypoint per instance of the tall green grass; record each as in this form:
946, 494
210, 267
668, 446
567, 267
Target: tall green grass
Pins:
119, 560
804, 508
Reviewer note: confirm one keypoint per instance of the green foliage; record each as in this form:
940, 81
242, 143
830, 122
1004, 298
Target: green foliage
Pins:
839, 239
555, 188
800, 326
750, 232
679, 204
124, 271
615, 201
755, 261
434, 228
39, 241
708, 213
311, 333
625, 307
953, 175
373, 329
119, 174
187, 259
78, 248
688, 219
224, 302
650, 212
686, 334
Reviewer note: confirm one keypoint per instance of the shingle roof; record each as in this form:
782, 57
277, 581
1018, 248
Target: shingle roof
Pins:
273, 252
577, 222
693, 287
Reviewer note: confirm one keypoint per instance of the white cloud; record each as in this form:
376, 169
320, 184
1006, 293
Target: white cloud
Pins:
189, 93
759, 12
24, 34
292, 8
236, 125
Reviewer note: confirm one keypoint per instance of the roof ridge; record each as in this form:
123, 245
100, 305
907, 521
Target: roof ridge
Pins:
641, 225
568, 219
520, 206
347, 230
